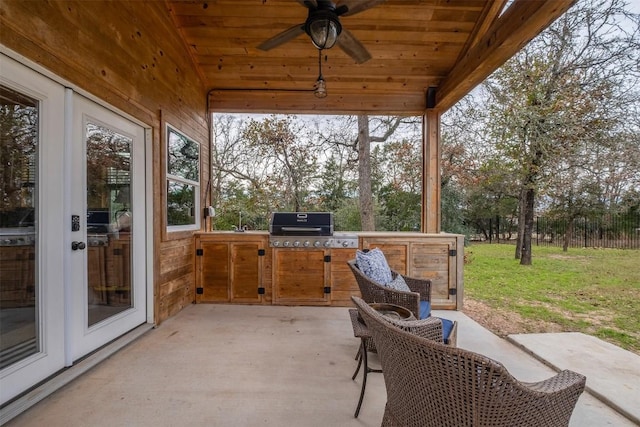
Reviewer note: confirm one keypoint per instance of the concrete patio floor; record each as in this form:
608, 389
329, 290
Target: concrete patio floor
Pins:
233, 365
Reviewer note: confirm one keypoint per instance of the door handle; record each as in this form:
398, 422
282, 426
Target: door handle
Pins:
78, 245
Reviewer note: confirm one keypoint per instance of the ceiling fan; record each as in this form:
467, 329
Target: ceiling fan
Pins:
324, 27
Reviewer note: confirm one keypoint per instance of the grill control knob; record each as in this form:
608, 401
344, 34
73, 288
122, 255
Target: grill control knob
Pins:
345, 244
296, 243
286, 244
327, 244
306, 244
316, 243
276, 243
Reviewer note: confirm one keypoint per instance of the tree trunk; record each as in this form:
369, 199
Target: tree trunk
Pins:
367, 219
521, 222
525, 256
568, 235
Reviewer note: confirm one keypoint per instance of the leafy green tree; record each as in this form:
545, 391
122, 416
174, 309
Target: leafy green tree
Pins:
397, 174
549, 97
452, 211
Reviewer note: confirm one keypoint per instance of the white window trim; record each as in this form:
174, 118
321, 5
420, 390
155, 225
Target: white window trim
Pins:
176, 178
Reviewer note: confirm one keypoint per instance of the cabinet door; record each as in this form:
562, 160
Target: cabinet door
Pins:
343, 284
434, 260
300, 276
213, 271
395, 251
246, 271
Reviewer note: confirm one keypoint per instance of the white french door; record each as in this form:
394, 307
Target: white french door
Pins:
106, 250
72, 227
31, 217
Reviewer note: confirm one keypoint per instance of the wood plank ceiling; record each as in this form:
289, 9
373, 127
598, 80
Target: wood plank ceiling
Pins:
450, 45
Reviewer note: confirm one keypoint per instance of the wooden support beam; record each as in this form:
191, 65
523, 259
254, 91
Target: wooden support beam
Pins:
304, 102
490, 13
431, 172
518, 25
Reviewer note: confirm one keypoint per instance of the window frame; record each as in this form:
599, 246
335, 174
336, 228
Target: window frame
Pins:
173, 178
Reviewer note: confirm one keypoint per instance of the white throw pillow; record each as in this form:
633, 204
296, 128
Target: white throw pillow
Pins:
374, 265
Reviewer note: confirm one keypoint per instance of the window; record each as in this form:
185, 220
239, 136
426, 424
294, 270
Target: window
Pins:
183, 181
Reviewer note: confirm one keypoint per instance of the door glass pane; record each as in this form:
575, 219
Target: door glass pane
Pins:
18, 215
109, 223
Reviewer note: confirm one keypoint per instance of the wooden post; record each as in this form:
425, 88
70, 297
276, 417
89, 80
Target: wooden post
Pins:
431, 172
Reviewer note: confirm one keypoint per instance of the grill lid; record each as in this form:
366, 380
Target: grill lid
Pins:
301, 224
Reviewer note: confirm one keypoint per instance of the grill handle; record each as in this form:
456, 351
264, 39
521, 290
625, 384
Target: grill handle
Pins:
303, 229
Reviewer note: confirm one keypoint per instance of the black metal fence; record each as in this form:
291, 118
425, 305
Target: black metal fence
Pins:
621, 231
609, 231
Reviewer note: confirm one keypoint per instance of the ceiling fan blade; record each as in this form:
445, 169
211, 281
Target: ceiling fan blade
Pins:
353, 47
357, 6
282, 37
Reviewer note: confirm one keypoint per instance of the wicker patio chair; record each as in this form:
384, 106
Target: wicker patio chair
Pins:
432, 385
430, 328
373, 291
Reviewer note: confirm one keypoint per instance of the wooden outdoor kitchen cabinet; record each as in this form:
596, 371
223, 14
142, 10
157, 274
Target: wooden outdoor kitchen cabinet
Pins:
242, 268
301, 276
439, 257
231, 267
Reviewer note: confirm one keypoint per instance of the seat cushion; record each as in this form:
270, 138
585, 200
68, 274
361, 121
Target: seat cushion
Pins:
425, 309
447, 327
374, 265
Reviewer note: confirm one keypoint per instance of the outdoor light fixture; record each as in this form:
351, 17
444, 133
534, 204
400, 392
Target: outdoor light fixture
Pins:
321, 86
323, 27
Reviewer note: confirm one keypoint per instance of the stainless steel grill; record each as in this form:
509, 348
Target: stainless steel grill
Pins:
310, 230
18, 236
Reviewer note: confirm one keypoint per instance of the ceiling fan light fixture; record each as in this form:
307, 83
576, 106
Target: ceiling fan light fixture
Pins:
324, 28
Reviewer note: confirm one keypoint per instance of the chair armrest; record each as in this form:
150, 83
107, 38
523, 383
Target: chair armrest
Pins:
429, 328
560, 393
408, 300
421, 286
561, 382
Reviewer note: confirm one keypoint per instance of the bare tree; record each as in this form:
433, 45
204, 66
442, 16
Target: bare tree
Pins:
289, 157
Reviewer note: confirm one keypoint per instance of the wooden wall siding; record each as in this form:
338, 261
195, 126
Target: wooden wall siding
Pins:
130, 55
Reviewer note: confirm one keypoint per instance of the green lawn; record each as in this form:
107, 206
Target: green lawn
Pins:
594, 291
